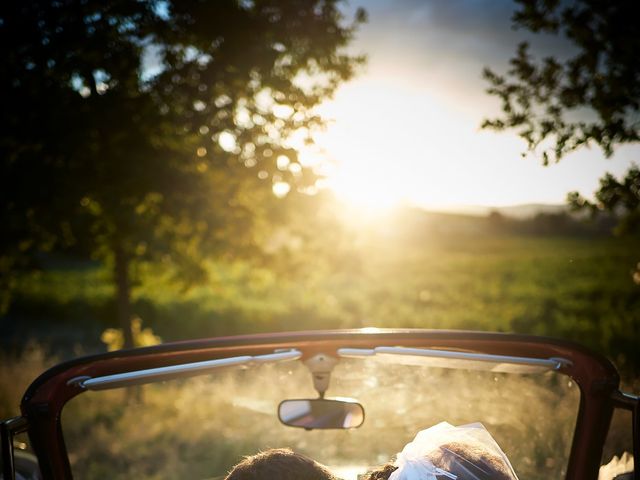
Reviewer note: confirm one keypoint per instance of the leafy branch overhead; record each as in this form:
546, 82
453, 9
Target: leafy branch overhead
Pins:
592, 97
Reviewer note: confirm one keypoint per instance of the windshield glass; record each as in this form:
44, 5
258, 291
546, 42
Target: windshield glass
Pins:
199, 428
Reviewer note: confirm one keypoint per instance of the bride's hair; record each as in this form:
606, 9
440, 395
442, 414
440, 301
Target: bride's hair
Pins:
465, 461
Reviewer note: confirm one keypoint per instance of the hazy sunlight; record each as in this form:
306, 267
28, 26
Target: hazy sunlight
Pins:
391, 143
407, 129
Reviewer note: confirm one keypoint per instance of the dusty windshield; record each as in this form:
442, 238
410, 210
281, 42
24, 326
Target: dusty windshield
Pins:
200, 427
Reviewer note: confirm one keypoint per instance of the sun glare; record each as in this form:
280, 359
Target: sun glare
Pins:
369, 191
392, 142
386, 145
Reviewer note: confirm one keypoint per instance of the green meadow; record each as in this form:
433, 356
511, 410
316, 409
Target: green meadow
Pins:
577, 287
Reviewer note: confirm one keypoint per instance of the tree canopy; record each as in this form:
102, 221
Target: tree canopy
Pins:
157, 129
558, 105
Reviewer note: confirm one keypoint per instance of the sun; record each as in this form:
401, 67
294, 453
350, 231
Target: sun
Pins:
390, 143
372, 190
358, 178
370, 154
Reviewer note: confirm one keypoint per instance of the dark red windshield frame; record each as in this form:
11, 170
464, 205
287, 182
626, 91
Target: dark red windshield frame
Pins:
596, 377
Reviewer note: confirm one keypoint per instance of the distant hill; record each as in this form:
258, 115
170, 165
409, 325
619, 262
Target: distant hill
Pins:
531, 219
524, 211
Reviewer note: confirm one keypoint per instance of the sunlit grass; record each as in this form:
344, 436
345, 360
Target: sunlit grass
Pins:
17, 371
574, 288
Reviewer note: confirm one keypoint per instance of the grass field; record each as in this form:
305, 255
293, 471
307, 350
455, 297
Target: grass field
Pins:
569, 287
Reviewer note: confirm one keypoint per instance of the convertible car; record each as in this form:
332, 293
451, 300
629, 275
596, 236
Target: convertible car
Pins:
349, 399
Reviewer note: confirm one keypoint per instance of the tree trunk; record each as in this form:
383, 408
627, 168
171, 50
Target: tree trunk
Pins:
123, 294
132, 395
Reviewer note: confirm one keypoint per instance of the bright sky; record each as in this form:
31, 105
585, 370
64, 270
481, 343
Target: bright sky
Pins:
407, 128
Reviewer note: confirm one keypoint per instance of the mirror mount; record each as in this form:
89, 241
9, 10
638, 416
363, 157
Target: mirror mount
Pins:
321, 366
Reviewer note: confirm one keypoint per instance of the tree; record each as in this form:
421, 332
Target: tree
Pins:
621, 197
156, 130
592, 97
559, 106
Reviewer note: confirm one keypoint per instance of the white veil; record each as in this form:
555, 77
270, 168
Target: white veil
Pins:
413, 462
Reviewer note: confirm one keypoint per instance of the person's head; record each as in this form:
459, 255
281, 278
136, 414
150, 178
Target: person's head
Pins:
279, 464
468, 452
465, 461
468, 461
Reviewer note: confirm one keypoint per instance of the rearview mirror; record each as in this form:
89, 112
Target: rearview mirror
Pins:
321, 413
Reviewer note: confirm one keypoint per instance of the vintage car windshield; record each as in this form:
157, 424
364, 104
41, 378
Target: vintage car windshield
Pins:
198, 428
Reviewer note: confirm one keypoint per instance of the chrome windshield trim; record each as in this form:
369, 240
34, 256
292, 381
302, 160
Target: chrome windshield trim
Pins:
457, 360
139, 377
